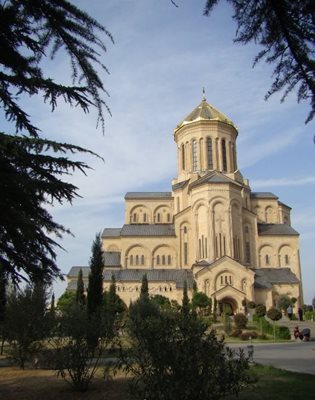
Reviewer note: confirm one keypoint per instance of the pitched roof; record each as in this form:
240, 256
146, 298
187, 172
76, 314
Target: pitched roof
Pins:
140, 230
148, 195
214, 177
276, 229
179, 276
111, 232
111, 258
74, 272
180, 185
266, 277
148, 230
263, 195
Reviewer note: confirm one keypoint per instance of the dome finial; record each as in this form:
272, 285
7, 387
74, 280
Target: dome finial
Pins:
203, 94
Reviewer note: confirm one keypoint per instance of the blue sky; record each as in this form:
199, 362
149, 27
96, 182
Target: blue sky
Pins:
162, 58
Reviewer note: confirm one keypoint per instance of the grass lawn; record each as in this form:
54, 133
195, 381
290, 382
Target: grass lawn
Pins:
272, 384
277, 384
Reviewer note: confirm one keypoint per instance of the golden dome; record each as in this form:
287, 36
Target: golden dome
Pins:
205, 112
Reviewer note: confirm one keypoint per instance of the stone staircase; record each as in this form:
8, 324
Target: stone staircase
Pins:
301, 324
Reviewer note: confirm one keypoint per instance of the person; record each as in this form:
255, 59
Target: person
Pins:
296, 333
300, 312
290, 312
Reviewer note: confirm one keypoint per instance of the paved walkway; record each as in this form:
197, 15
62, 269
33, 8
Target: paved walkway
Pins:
296, 356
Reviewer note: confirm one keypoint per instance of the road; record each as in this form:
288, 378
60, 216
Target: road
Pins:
296, 356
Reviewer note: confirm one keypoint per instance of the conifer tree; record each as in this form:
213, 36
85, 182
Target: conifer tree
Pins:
32, 32
285, 30
95, 287
185, 303
80, 296
144, 293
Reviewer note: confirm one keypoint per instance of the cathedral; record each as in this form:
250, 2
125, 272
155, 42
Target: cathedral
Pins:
211, 228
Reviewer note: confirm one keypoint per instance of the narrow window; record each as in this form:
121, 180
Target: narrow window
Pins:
224, 247
158, 217
267, 260
183, 157
226, 279
142, 259
209, 153
185, 229
169, 260
157, 260
247, 252
163, 260
230, 279
199, 248
206, 247
185, 253
286, 258
224, 155
220, 244
168, 217
221, 280
194, 156
131, 260
144, 217
135, 217
203, 246
137, 260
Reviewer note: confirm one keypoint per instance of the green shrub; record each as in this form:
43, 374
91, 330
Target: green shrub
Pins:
236, 333
309, 315
274, 314
260, 310
251, 304
249, 335
263, 336
283, 332
240, 321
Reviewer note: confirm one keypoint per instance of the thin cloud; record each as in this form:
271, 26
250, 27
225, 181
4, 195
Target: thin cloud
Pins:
276, 182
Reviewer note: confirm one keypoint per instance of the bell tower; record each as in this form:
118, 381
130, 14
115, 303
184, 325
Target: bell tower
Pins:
206, 140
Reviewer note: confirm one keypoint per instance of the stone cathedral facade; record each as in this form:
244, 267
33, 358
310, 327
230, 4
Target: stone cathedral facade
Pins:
211, 228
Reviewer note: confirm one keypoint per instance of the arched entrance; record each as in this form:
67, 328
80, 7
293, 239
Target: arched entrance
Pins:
228, 304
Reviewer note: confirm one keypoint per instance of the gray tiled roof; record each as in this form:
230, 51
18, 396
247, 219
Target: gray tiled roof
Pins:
284, 205
74, 272
179, 276
140, 230
111, 258
263, 195
148, 230
213, 177
180, 185
276, 229
111, 232
265, 277
147, 195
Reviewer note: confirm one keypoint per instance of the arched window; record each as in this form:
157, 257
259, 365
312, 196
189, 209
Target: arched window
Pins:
163, 260
286, 260
194, 155
144, 217
157, 260
183, 157
209, 153
142, 260
137, 260
134, 217
168, 217
158, 217
131, 260
267, 259
185, 229
169, 260
224, 164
